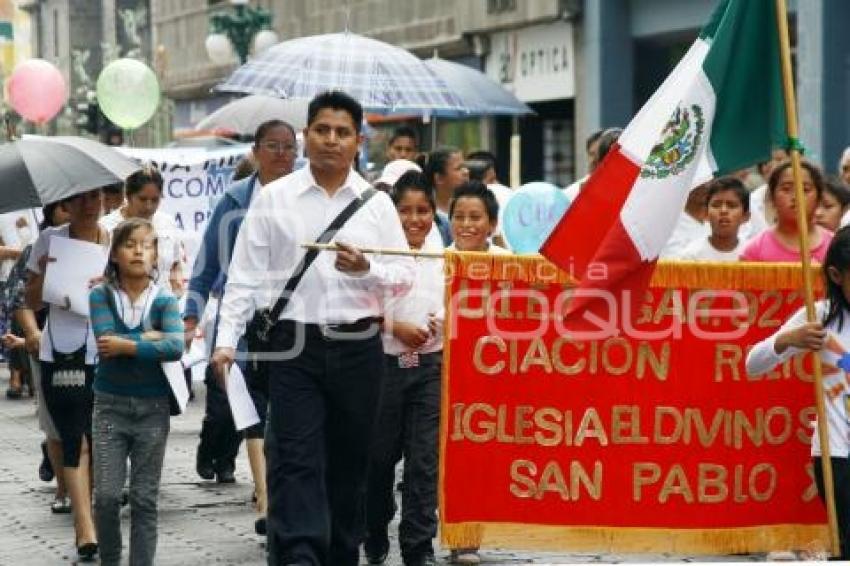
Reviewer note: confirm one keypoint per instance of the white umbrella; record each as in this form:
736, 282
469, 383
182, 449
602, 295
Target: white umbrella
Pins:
242, 116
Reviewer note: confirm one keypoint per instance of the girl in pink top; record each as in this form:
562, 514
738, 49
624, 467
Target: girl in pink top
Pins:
782, 241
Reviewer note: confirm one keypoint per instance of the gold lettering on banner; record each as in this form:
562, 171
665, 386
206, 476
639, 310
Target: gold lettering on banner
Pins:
812, 490
711, 486
676, 483
523, 424
662, 414
625, 425
457, 430
487, 430
536, 355
478, 355
611, 357
503, 301
560, 367
754, 431
783, 416
772, 301
728, 356
660, 364
712, 480
608, 365
580, 483
669, 305
591, 427
643, 474
807, 422
548, 420
802, 372
501, 425
512, 347
579, 477
526, 487
702, 307
535, 307
707, 435
761, 470
552, 479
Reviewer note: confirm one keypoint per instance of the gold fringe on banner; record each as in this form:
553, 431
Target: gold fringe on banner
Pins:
810, 538
536, 269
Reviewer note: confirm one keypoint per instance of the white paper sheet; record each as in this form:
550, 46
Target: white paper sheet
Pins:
66, 282
177, 380
241, 404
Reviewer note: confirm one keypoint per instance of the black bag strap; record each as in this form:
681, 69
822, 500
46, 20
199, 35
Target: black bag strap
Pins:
311, 255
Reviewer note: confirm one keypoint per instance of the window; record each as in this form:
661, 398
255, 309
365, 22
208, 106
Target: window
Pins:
499, 6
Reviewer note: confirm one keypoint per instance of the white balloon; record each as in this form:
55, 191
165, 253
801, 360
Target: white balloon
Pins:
219, 48
263, 40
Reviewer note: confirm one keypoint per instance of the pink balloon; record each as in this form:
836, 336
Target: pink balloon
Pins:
37, 90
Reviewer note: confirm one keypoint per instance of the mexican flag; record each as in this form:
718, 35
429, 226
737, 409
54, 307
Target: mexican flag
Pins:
720, 110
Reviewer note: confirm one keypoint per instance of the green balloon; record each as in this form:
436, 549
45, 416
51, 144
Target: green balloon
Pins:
128, 93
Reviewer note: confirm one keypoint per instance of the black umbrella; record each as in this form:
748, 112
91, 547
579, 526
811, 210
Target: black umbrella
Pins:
40, 170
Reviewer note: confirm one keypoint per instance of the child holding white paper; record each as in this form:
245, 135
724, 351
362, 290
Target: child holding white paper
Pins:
137, 324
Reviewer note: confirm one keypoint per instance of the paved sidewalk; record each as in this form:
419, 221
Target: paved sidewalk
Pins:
201, 522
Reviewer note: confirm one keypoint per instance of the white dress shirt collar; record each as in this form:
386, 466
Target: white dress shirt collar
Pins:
354, 183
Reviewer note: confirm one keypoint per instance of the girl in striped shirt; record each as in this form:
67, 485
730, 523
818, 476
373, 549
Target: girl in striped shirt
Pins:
138, 326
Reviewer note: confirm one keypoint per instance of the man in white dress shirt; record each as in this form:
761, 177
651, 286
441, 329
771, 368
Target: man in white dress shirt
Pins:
325, 380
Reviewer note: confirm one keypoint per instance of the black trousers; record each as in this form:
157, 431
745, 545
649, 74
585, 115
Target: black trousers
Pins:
408, 426
219, 437
841, 480
323, 402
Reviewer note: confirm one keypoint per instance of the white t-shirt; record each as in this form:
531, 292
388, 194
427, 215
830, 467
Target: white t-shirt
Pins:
491, 249
763, 358
702, 250
758, 215
424, 299
133, 313
69, 329
688, 230
169, 247
503, 195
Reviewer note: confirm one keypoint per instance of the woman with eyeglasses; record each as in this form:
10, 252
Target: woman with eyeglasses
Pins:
274, 152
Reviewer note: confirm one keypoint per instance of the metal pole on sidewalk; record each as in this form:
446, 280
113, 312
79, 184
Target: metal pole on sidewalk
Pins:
805, 258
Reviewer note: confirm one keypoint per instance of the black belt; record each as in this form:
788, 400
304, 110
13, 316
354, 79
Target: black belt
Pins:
427, 356
369, 324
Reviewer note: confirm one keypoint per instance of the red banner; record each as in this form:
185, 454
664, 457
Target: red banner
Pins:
647, 436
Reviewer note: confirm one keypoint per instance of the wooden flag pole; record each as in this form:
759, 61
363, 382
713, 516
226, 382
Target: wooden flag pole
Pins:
805, 258
379, 251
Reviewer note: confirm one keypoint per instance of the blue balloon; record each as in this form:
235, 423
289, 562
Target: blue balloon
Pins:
530, 215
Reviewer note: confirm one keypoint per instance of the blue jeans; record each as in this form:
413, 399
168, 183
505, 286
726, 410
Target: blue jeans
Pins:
122, 428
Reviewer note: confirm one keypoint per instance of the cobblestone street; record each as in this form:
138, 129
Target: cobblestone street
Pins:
200, 522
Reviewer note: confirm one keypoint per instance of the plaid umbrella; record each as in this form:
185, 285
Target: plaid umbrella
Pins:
479, 94
382, 77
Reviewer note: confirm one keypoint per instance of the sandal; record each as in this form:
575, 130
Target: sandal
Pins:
61, 505
14, 392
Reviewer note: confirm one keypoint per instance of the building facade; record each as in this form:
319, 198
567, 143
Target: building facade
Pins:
81, 37
582, 65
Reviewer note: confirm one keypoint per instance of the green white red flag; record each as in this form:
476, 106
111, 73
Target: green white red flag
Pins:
720, 110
